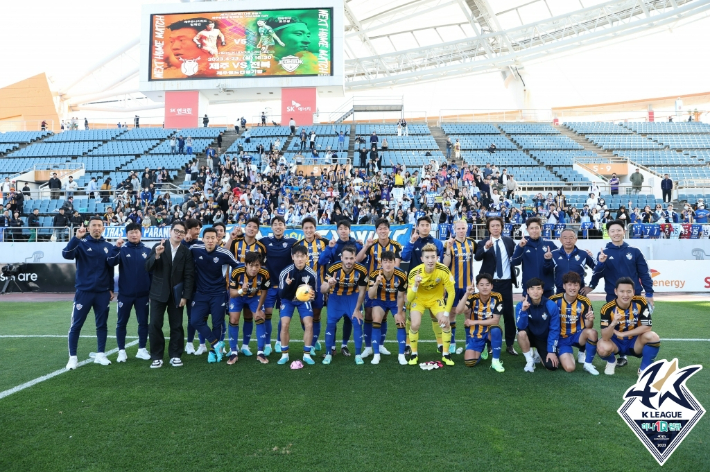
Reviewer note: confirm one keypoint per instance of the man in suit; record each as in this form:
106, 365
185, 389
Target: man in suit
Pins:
171, 264
496, 252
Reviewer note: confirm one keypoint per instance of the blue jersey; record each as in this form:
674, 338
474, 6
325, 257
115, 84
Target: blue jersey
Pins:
208, 268
93, 272
278, 254
701, 215
298, 277
540, 319
334, 254
412, 252
133, 279
532, 258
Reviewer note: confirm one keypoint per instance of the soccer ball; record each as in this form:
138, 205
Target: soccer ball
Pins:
303, 293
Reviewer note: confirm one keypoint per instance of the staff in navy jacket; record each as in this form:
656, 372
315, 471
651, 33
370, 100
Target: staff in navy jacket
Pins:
568, 258
531, 253
412, 251
496, 254
538, 320
133, 290
94, 285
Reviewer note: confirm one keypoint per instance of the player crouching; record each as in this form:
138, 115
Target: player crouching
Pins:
626, 328
483, 310
538, 322
576, 324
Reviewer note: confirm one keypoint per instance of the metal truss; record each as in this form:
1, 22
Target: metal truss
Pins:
502, 49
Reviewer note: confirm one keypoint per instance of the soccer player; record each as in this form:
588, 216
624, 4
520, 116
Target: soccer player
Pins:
248, 284
538, 321
388, 293
482, 310
576, 325
346, 282
568, 258
531, 253
427, 284
297, 274
209, 297
192, 235
94, 286
133, 289
458, 257
315, 246
626, 328
207, 39
332, 255
370, 256
618, 260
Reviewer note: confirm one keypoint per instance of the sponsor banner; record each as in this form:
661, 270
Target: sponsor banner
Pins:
181, 109
299, 104
236, 44
152, 232
54, 278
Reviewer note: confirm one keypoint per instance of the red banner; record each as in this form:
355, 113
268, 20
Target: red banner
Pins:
181, 109
651, 116
299, 104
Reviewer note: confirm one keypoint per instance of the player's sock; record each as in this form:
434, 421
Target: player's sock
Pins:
610, 358
376, 336
590, 351
496, 341
471, 362
367, 333
529, 356
648, 354
248, 329
357, 325
278, 333
284, 349
453, 332
330, 336
347, 330
408, 325
401, 338
414, 341
316, 332
233, 336
437, 331
269, 327
383, 331
446, 338
201, 338
260, 335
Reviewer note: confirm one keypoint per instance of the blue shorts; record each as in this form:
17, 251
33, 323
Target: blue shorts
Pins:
272, 298
626, 346
475, 344
318, 302
237, 304
368, 301
386, 306
341, 305
286, 309
565, 345
459, 294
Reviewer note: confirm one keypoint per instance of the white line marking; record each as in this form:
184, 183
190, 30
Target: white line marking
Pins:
55, 373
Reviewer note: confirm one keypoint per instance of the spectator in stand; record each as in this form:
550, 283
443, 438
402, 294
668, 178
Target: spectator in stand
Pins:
16, 225
106, 190
666, 188
136, 122
312, 139
457, 150
614, 184
173, 145
374, 140
55, 186
636, 181
205, 121
60, 222
188, 145
449, 146
492, 149
292, 126
181, 145
33, 221
385, 144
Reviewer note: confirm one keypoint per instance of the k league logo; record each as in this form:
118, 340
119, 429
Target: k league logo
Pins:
660, 410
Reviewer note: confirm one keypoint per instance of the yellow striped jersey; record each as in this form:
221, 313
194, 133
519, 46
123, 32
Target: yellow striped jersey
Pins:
481, 311
635, 315
374, 254
433, 284
571, 314
314, 249
256, 284
240, 248
390, 288
347, 283
462, 262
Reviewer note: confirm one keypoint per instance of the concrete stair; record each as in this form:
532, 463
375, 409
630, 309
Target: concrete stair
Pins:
588, 146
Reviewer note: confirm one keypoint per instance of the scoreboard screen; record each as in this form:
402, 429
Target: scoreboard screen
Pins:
238, 44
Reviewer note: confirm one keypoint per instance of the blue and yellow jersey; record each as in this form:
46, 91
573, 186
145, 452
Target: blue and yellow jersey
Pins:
571, 314
314, 250
462, 262
347, 283
374, 254
635, 315
481, 311
261, 281
433, 284
388, 291
240, 248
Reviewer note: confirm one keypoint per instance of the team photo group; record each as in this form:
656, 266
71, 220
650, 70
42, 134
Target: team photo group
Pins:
205, 272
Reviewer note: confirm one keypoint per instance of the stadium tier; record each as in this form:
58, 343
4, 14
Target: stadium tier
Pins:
484, 141
541, 141
469, 128
85, 135
74, 148
597, 128
23, 137
390, 130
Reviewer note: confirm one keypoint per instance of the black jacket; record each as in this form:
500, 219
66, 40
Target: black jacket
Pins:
167, 273
488, 257
33, 221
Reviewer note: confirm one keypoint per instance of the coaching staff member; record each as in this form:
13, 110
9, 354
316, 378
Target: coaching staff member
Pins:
173, 283
496, 253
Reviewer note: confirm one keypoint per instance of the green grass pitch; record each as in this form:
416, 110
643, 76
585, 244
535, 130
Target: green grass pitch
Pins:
323, 418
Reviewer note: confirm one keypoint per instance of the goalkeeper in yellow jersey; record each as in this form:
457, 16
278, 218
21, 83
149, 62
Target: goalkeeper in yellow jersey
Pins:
427, 283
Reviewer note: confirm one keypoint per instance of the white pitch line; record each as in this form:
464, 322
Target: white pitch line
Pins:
54, 374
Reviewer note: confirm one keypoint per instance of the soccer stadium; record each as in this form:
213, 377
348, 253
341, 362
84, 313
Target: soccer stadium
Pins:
357, 235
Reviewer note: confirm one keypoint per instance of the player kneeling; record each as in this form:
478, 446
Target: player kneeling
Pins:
388, 292
291, 279
247, 289
483, 310
576, 324
626, 328
538, 322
